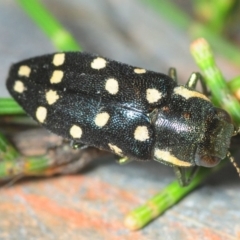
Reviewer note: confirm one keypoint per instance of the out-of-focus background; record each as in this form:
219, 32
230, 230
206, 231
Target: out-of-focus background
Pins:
92, 204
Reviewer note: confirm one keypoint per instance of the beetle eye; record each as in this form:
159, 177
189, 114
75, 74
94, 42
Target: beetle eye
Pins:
207, 161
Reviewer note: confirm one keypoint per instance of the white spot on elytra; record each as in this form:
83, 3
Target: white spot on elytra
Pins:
115, 149
153, 95
58, 59
141, 133
56, 76
102, 119
98, 63
139, 70
24, 71
169, 158
75, 131
41, 114
186, 93
51, 96
19, 86
112, 86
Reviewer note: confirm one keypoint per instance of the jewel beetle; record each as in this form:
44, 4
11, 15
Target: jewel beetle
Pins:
135, 113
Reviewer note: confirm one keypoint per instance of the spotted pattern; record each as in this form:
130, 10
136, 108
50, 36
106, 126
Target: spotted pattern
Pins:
19, 86
58, 59
51, 97
169, 158
98, 63
141, 133
102, 119
24, 71
115, 149
56, 77
153, 95
186, 93
75, 131
126, 94
112, 86
139, 70
41, 114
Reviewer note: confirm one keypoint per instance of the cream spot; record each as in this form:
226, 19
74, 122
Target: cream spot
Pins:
56, 76
169, 158
141, 133
140, 70
102, 119
115, 149
24, 71
98, 63
75, 131
41, 114
19, 86
58, 59
153, 95
186, 93
112, 86
51, 97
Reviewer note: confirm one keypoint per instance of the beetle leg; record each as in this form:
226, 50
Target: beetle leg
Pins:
173, 74
123, 160
193, 80
77, 145
184, 176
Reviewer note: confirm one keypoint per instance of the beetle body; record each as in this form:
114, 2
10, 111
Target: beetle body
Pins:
130, 111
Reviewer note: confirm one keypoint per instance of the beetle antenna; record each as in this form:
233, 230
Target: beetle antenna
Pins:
234, 163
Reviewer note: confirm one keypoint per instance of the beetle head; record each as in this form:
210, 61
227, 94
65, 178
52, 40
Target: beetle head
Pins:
215, 143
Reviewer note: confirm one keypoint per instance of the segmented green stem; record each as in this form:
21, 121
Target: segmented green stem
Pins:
195, 29
167, 198
12, 164
61, 38
214, 79
9, 107
173, 193
213, 13
64, 41
234, 86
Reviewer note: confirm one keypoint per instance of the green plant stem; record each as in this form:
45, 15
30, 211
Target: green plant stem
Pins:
63, 41
13, 164
167, 198
214, 79
213, 13
61, 38
218, 43
173, 14
234, 86
9, 107
173, 193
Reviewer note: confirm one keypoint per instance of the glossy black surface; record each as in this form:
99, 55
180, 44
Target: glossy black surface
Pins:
182, 126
